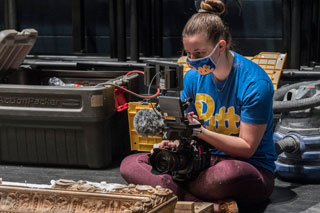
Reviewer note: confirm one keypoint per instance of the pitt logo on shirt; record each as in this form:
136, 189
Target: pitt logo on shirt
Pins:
224, 122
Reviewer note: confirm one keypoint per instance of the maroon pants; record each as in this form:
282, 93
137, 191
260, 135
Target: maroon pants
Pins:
226, 178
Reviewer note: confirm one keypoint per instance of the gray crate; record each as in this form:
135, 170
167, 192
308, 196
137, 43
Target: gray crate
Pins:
56, 125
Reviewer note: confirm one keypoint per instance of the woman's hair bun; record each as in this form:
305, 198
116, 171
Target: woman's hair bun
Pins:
213, 6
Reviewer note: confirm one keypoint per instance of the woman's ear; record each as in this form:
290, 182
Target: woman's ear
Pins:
222, 46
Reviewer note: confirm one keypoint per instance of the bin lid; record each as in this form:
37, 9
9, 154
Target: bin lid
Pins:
14, 46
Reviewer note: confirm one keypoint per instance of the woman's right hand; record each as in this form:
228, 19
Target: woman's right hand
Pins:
192, 118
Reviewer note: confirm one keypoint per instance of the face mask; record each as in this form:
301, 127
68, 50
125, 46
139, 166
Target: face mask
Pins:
203, 65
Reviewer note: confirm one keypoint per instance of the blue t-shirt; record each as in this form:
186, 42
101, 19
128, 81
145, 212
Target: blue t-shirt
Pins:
246, 95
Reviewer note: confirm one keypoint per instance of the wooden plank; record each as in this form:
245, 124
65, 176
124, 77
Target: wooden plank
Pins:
184, 207
203, 207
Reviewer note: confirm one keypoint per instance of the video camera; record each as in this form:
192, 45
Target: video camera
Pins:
192, 155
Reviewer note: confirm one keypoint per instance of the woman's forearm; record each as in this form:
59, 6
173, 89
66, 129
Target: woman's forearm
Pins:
231, 145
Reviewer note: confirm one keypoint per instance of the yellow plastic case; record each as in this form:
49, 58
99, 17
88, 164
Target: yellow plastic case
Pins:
272, 63
138, 142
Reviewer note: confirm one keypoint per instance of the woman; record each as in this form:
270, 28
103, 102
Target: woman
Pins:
234, 98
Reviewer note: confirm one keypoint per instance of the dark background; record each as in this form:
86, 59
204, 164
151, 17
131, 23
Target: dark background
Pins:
262, 25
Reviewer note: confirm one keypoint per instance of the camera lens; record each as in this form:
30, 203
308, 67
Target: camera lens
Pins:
165, 161
183, 163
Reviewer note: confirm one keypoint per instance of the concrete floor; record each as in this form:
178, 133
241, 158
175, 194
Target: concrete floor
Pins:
287, 197
293, 198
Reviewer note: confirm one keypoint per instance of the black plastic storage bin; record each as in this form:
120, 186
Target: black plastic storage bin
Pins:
60, 125
56, 125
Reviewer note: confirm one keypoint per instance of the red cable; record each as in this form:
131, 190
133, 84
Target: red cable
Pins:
142, 96
129, 91
134, 71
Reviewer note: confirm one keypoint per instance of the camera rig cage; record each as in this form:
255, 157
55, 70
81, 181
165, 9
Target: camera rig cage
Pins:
168, 77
